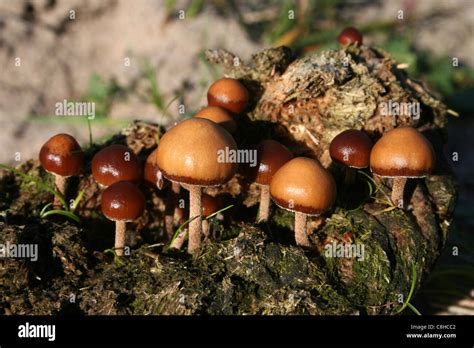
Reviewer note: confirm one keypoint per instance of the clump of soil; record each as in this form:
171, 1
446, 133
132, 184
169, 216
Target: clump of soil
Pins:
247, 268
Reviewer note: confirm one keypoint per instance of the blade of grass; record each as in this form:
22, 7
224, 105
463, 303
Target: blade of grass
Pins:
68, 214
219, 211
412, 288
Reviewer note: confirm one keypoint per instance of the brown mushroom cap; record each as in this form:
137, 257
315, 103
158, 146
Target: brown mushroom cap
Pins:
210, 205
229, 94
402, 152
152, 173
303, 185
352, 148
122, 201
350, 35
220, 116
62, 155
271, 155
189, 153
115, 163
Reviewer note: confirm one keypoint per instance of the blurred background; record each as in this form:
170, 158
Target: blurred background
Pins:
142, 59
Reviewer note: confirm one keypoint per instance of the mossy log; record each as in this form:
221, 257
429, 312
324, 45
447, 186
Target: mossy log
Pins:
247, 268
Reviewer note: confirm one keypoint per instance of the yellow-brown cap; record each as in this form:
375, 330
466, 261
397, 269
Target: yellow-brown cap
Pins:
194, 152
229, 94
220, 116
303, 185
62, 155
352, 148
402, 152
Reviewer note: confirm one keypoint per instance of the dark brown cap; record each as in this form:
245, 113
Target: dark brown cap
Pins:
62, 155
352, 148
303, 185
229, 94
115, 163
209, 204
402, 152
271, 155
193, 152
122, 201
349, 36
220, 116
152, 173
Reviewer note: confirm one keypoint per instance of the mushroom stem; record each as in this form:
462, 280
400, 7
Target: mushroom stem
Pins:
120, 228
264, 203
195, 226
398, 188
350, 176
301, 235
60, 182
171, 208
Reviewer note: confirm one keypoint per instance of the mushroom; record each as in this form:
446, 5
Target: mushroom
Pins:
229, 94
210, 205
61, 156
271, 155
352, 149
152, 173
190, 154
115, 163
220, 116
402, 153
349, 36
304, 187
122, 202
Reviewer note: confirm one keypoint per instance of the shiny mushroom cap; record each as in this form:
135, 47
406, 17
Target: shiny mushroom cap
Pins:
115, 163
271, 155
229, 94
349, 36
152, 173
220, 116
303, 185
62, 155
210, 205
352, 148
194, 152
122, 201
402, 152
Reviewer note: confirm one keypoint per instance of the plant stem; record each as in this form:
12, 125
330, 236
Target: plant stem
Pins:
120, 228
195, 226
264, 203
301, 235
60, 182
398, 188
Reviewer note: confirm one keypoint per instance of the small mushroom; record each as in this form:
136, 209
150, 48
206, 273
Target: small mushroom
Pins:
271, 155
220, 116
352, 149
152, 173
210, 205
402, 153
229, 94
189, 154
350, 36
61, 156
122, 202
115, 163
304, 187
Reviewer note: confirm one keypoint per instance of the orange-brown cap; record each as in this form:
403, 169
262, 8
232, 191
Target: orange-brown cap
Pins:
209, 205
152, 173
122, 201
62, 155
303, 185
271, 155
194, 152
115, 163
229, 94
349, 36
220, 116
402, 152
352, 148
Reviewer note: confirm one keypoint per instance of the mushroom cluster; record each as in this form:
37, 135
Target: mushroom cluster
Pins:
188, 157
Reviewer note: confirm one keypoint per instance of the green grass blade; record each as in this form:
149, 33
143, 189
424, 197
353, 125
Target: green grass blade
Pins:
412, 288
76, 201
219, 211
68, 214
416, 311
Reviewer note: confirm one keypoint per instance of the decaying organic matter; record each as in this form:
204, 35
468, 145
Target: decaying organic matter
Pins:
247, 268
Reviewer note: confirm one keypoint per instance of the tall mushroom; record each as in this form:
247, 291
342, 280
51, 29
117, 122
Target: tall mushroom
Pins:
229, 94
193, 154
271, 155
115, 163
61, 156
352, 149
220, 116
122, 202
304, 187
402, 153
